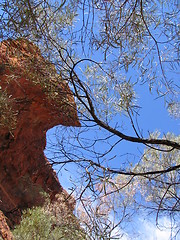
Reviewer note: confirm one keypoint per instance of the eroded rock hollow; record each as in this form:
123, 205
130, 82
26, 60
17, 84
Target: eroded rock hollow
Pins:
33, 99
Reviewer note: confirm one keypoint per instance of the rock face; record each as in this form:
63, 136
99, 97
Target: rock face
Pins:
4, 228
33, 99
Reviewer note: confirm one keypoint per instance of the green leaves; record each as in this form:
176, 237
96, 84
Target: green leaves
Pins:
53, 221
35, 224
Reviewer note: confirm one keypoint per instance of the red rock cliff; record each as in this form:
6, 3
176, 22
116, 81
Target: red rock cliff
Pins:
33, 99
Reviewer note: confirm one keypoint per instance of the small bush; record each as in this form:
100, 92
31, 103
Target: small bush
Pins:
40, 223
7, 115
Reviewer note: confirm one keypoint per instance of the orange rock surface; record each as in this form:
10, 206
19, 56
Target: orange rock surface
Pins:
39, 99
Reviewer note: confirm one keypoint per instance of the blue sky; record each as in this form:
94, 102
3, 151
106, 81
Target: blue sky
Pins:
153, 116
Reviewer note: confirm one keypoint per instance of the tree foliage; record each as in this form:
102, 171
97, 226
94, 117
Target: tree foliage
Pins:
110, 52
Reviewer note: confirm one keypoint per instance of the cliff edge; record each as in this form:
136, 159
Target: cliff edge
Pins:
33, 99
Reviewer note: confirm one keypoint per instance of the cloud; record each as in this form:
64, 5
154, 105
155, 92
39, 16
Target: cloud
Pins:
148, 230
151, 232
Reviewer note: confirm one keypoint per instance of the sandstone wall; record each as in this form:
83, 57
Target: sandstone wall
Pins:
37, 99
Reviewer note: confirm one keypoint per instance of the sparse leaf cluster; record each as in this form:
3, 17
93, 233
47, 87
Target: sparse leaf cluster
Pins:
7, 114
